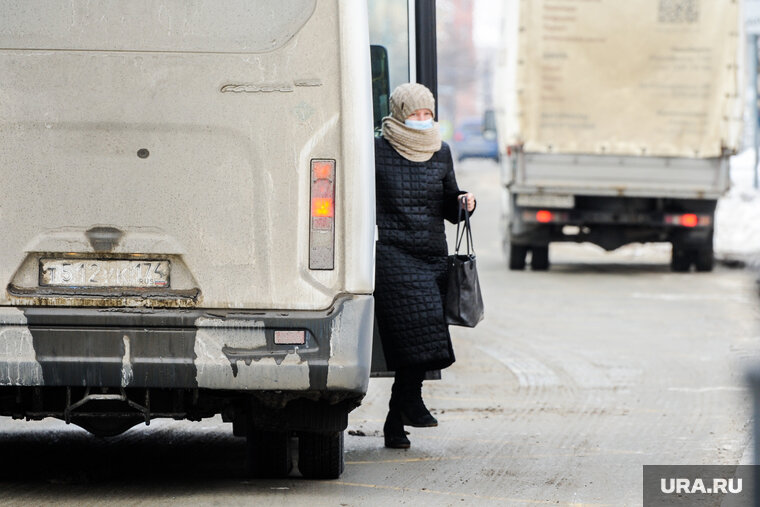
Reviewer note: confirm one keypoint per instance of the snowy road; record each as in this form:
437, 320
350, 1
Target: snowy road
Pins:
577, 377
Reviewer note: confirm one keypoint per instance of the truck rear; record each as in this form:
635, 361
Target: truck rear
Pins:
188, 218
616, 123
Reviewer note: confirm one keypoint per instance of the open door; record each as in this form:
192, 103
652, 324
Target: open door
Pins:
403, 49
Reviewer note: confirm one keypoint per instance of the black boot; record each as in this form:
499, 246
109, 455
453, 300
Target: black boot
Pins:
393, 429
413, 410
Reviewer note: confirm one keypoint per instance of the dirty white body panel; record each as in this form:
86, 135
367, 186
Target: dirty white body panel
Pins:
184, 133
18, 361
230, 116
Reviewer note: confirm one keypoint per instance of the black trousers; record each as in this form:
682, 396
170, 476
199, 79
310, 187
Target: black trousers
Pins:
407, 386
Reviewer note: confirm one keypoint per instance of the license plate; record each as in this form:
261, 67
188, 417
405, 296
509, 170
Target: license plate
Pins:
104, 273
546, 200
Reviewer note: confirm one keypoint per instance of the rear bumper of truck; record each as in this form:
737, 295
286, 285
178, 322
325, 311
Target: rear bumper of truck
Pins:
225, 350
617, 176
611, 222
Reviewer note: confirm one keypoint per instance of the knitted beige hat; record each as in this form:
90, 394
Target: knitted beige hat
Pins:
409, 97
412, 144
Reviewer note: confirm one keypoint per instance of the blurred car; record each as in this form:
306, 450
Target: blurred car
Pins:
471, 142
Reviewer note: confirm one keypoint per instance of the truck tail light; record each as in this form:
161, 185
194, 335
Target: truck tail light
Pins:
322, 216
543, 216
689, 220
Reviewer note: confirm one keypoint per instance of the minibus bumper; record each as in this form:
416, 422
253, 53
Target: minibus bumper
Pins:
241, 350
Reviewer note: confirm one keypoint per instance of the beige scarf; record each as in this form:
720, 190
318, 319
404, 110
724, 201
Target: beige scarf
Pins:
412, 144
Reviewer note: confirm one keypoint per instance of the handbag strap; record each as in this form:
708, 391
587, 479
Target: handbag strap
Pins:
466, 230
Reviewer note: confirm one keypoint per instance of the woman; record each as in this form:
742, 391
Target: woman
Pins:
416, 190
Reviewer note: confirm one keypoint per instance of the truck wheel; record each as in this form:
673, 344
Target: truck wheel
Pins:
268, 453
539, 258
680, 261
517, 255
320, 455
704, 260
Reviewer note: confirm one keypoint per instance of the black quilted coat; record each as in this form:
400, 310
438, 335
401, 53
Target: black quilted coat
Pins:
413, 198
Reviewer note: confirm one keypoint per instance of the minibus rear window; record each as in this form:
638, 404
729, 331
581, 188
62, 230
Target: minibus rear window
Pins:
229, 26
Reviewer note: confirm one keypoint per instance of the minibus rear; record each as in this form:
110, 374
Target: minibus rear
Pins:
188, 217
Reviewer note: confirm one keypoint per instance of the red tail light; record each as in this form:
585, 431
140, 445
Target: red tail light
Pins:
322, 218
689, 220
323, 169
544, 216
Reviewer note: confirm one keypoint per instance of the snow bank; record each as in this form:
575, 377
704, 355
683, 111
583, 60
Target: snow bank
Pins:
737, 218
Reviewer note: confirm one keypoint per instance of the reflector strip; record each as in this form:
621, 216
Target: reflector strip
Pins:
289, 337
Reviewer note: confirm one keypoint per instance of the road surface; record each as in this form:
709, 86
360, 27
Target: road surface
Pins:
576, 378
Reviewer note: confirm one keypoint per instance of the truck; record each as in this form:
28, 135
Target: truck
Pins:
188, 214
616, 122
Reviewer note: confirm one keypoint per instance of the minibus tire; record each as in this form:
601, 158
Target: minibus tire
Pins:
268, 453
320, 455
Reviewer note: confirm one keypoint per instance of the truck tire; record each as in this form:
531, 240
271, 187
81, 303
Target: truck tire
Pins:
680, 260
320, 455
539, 258
268, 453
704, 259
517, 255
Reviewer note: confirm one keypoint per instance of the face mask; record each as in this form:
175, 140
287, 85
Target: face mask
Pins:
419, 125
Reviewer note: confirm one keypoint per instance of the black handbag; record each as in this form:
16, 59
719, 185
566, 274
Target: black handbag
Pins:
464, 303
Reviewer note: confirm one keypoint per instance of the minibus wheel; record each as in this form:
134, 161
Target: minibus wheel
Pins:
320, 455
268, 453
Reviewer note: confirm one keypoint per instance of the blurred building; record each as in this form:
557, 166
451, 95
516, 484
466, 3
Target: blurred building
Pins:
458, 69
468, 36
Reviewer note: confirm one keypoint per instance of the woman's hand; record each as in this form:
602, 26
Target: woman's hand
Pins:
469, 198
